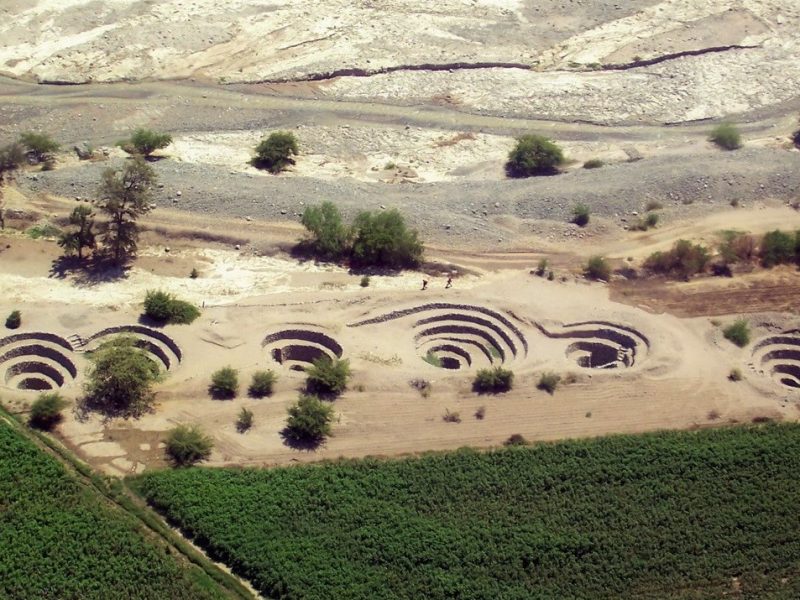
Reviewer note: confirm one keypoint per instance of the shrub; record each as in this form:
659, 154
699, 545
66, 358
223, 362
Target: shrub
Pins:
796, 138
39, 146
46, 411
580, 215
14, 320
224, 383
244, 421
194, 274
516, 439
145, 142
11, 158
647, 222
736, 246
493, 381
684, 260
594, 163
165, 308
364, 281
534, 155
738, 332
330, 237
309, 420
328, 377
598, 268
121, 379
735, 375
653, 205
541, 268
480, 413
726, 136
777, 247
275, 152
549, 382
262, 384
423, 386
187, 445
383, 239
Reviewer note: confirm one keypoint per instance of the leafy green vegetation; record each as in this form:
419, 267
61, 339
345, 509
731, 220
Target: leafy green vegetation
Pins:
726, 136
593, 163
779, 247
683, 260
673, 515
39, 146
224, 383
309, 421
244, 421
62, 540
492, 381
330, 237
81, 234
548, 382
187, 445
738, 332
120, 380
46, 411
145, 142
43, 230
597, 268
328, 377
262, 384
275, 152
534, 155
166, 308
580, 215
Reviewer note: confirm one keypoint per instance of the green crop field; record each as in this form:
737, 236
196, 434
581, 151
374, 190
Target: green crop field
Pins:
61, 540
670, 515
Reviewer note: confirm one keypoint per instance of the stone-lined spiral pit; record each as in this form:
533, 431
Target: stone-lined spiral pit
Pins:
778, 357
460, 336
159, 347
299, 348
601, 344
36, 361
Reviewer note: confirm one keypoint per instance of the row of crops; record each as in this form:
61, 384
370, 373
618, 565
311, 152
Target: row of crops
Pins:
61, 540
669, 515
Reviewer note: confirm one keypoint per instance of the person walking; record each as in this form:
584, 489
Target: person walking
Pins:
449, 283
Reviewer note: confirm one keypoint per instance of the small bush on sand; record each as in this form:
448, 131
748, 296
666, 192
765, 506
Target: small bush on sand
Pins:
328, 377
493, 381
480, 413
364, 281
726, 136
534, 155
46, 411
262, 384
187, 445
166, 308
245, 420
224, 383
593, 163
777, 247
516, 439
309, 420
541, 268
738, 332
580, 215
736, 246
548, 382
14, 320
598, 269
275, 152
735, 375
451, 417
653, 205
683, 260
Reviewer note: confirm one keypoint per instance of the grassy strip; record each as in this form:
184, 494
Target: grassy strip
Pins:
208, 576
668, 515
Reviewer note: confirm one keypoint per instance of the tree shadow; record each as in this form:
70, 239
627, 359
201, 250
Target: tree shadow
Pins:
296, 442
88, 271
220, 394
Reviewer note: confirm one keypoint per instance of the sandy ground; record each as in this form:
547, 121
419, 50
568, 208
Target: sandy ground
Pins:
679, 379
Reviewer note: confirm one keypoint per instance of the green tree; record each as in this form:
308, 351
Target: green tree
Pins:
39, 146
187, 445
224, 383
166, 308
329, 235
144, 142
726, 136
328, 377
382, 239
534, 155
120, 380
126, 197
309, 420
275, 152
777, 247
738, 332
46, 411
262, 384
82, 235
244, 421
